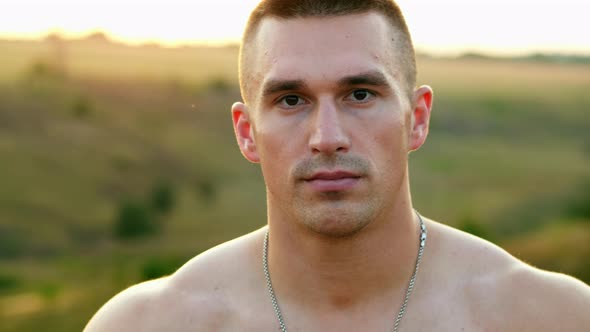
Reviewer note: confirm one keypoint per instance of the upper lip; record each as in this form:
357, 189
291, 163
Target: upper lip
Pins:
332, 175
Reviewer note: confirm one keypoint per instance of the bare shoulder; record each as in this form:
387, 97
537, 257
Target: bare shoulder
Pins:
200, 296
536, 300
124, 311
507, 294
554, 301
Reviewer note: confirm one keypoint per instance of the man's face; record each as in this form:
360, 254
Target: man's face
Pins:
329, 121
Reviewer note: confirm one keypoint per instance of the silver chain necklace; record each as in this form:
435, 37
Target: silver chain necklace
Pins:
402, 310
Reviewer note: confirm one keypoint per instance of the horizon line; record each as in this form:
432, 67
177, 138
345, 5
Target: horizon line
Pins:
452, 52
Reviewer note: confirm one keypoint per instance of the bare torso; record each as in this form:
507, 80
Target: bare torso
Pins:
465, 284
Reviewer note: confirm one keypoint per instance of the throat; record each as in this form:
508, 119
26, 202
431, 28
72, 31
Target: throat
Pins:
341, 283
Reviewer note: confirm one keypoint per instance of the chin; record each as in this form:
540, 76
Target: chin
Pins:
337, 222
335, 230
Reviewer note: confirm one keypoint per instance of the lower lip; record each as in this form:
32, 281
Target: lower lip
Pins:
323, 185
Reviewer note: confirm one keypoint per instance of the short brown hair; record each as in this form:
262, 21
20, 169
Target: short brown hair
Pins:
287, 9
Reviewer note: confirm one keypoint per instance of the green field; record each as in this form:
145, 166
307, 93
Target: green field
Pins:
90, 129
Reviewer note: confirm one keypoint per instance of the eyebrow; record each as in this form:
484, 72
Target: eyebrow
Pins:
374, 78
274, 86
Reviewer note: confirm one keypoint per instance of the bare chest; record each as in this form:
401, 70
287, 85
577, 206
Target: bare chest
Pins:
262, 318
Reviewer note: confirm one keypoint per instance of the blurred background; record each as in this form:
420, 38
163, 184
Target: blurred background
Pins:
118, 161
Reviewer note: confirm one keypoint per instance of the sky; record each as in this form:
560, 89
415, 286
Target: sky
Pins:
499, 27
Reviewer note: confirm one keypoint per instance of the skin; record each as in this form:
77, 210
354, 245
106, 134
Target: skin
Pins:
342, 251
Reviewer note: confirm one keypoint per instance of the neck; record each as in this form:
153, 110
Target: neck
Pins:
338, 273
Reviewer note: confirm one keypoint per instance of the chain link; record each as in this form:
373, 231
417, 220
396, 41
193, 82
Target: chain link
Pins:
402, 310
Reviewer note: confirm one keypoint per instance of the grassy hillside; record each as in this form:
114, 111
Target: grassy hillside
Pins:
92, 132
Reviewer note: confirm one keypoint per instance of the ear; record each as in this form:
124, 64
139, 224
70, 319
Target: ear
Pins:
420, 116
243, 131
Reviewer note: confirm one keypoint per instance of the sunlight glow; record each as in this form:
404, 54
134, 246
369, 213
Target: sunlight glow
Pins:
492, 26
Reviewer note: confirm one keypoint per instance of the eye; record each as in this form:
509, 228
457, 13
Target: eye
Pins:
361, 95
290, 101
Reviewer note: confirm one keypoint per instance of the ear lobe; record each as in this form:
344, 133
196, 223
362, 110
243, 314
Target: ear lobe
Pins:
420, 116
243, 131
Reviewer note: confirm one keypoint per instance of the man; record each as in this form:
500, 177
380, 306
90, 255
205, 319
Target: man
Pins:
330, 113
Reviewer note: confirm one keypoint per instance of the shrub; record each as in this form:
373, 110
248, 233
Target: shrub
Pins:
45, 70
134, 220
206, 190
12, 243
470, 225
158, 267
162, 198
219, 84
8, 282
49, 291
82, 107
579, 206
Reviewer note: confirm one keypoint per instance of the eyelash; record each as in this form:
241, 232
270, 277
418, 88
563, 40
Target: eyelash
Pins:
371, 94
281, 101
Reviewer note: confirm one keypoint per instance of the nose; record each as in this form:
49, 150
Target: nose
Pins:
328, 135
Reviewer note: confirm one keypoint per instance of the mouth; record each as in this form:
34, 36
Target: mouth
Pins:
332, 181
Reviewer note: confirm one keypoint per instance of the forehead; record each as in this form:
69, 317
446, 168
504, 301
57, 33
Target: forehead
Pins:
323, 48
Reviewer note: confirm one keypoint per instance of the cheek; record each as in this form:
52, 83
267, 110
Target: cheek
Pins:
280, 139
272, 143
275, 148
390, 155
388, 138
